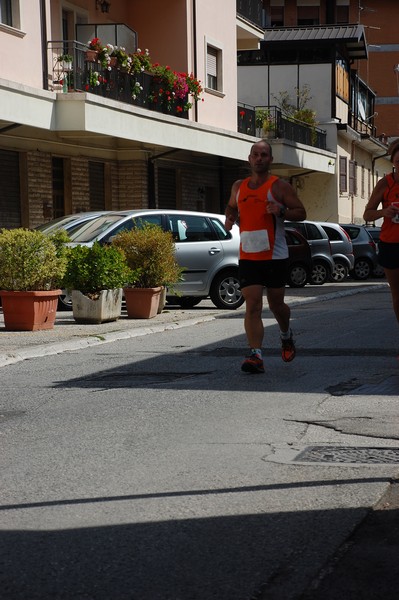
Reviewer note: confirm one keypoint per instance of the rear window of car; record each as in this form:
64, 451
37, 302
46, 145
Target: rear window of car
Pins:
332, 233
313, 232
352, 231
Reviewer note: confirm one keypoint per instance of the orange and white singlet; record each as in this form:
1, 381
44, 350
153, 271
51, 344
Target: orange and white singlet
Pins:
390, 227
262, 234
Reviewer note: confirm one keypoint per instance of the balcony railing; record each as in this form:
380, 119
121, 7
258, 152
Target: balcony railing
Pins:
74, 70
252, 10
269, 122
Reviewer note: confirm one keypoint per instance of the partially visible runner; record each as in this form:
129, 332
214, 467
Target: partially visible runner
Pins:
386, 193
260, 204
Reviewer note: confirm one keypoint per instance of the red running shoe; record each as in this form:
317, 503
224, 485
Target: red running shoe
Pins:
288, 349
253, 364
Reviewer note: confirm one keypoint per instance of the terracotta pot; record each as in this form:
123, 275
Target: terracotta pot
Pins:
113, 61
29, 311
142, 303
91, 55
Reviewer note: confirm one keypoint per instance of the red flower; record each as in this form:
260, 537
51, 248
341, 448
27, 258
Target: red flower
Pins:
242, 113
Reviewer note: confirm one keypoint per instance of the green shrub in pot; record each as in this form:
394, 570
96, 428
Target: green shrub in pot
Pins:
93, 269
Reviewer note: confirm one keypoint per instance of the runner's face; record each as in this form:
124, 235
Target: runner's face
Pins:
260, 158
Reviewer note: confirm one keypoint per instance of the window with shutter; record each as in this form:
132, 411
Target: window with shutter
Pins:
212, 67
352, 178
343, 180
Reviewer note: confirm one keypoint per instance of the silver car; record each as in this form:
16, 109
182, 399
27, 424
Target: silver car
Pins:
207, 252
341, 250
323, 263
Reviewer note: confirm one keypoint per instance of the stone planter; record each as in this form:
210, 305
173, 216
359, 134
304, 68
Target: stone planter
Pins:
107, 307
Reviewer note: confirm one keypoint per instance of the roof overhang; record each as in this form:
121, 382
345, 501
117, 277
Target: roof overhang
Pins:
352, 37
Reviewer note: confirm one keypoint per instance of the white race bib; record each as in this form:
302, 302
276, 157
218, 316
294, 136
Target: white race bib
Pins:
255, 241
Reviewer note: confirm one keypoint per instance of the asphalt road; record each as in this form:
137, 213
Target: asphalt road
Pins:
145, 465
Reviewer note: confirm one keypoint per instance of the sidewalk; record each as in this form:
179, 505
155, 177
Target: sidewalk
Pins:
68, 335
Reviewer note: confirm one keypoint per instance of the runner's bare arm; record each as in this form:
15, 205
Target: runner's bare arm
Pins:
372, 212
232, 208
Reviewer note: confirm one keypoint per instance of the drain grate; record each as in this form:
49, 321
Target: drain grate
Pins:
338, 454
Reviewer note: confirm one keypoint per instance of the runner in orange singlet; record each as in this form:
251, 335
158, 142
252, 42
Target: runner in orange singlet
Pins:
386, 192
260, 204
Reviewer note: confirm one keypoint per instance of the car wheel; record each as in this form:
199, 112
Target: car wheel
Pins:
225, 291
320, 273
187, 301
64, 301
297, 276
362, 269
340, 272
378, 272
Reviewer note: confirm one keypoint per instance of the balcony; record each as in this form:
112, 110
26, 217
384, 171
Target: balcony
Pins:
76, 68
269, 122
252, 11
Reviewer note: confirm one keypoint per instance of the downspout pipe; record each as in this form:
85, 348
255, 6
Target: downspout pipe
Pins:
43, 25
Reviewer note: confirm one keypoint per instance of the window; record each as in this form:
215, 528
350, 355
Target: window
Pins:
277, 16
343, 175
342, 15
352, 178
362, 183
308, 15
213, 68
5, 12
9, 13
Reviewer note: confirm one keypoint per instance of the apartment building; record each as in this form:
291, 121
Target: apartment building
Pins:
379, 18
319, 46
78, 134
75, 135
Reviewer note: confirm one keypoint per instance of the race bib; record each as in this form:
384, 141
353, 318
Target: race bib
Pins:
255, 241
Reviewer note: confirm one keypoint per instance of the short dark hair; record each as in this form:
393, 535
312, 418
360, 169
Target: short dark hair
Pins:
269, 144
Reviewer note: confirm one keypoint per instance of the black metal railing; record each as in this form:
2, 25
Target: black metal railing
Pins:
74, 70
269, 122
252, 10
365, 128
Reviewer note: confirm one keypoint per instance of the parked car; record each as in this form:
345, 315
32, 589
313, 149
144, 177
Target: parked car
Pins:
207, 252
204, 248
322, 261
300, 259
375, 234
341, 250
364, 249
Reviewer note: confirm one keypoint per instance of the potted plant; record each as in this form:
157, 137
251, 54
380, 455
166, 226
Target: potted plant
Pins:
65, 61
95, 275
264, 122
32, 265
150, 254
94, 47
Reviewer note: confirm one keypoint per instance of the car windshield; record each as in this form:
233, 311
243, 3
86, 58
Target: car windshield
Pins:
56, 224
89, 231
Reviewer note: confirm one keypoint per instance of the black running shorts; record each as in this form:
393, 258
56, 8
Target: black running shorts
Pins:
388, 255
268, 273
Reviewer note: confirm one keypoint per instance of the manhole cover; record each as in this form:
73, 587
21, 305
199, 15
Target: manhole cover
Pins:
337, 454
